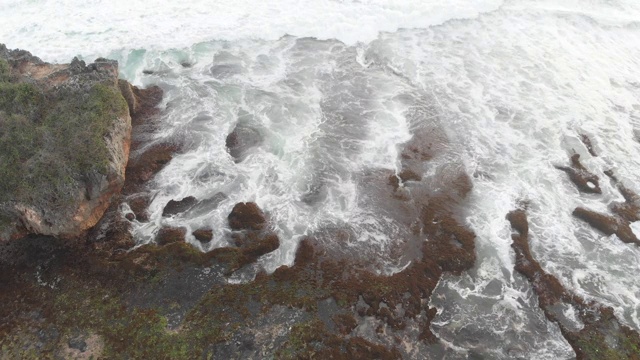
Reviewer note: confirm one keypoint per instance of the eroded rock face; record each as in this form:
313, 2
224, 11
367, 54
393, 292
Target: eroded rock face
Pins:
67, 96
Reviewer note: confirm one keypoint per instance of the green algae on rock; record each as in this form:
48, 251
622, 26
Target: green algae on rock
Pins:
64, 143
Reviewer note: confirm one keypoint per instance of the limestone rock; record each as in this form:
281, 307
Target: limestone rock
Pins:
74, 161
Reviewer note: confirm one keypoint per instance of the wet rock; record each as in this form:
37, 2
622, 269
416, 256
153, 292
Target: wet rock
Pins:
600, 324
262, 245
629, 212
404, 176
113, 232
607, 224
174, 207
203, 235
255, 245
205, 206
241, 140
144, 166
587, 143
142, 102
168, 235
581, 177
247, 216
139, 205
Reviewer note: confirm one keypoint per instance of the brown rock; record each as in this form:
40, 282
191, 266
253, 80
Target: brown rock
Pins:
142, 102
587, 142
404, 176
139, 205
174, 207
144, 166
168, 235
607, 224
203, 235
600, 323
630, 212
246, 216
581, 177
264, 245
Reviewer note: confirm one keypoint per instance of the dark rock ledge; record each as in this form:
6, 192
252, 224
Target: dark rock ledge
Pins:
599, 334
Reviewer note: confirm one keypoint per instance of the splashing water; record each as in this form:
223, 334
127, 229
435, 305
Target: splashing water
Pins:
513, 86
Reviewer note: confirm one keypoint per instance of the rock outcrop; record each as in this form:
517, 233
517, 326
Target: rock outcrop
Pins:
596, 332
246, 216
64, 144
584, 180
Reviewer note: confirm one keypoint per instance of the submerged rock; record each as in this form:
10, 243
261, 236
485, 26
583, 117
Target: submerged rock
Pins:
174, 207
241, 140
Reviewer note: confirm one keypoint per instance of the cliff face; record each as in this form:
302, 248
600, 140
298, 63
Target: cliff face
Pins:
65, 133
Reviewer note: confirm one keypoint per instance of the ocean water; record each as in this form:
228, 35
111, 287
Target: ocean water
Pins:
334, 87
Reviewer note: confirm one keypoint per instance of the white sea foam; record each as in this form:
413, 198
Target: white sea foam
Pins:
517, 102
513, 86
58, 30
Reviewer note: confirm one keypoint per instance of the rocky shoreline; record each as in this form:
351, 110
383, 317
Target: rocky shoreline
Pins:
82, 288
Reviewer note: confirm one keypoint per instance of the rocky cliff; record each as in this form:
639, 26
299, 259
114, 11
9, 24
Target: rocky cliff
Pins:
65, 133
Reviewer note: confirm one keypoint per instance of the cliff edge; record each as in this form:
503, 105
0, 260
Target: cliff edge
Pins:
65, 133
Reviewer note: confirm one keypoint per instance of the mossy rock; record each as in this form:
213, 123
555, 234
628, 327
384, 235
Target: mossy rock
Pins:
62, 145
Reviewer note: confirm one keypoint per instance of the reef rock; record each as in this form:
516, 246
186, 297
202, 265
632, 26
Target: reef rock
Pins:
246, 216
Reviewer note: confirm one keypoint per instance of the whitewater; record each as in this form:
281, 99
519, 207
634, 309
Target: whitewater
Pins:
333, 88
